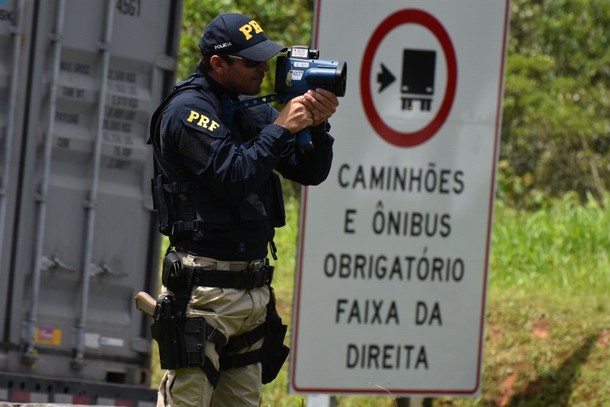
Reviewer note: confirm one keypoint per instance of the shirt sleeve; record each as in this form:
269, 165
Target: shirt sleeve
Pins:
309, 167
306, 167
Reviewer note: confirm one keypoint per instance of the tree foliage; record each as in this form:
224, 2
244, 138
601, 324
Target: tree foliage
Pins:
285, 22
555, 133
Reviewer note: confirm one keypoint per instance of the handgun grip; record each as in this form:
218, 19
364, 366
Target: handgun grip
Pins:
145, 303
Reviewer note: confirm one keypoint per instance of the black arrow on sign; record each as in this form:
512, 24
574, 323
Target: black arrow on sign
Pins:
384, 78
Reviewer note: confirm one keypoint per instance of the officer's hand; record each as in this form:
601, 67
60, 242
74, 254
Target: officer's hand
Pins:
295, 116
321, 103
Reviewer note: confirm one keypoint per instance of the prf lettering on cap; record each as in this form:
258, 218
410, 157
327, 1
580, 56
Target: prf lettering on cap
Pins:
246, 29
202, 121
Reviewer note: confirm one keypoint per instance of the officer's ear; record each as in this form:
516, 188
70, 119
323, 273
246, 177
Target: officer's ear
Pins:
218, 64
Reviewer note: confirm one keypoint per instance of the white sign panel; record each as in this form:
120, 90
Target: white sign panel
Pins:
394, 246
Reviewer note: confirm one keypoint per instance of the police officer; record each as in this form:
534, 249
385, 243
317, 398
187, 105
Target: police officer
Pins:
221, 199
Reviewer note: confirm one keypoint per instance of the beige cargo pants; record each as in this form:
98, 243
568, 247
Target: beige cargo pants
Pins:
232, 312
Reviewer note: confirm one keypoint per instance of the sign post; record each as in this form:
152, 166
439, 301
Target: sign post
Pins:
394, 246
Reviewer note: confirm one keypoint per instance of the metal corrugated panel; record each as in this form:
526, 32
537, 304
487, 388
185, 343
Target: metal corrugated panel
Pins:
84, 238
13, 61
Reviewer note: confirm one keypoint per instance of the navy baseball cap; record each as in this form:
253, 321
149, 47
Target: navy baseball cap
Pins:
236, 34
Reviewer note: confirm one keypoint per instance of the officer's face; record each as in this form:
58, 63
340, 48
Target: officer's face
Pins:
244, 76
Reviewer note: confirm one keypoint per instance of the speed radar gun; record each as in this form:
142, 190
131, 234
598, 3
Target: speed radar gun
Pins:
298, 71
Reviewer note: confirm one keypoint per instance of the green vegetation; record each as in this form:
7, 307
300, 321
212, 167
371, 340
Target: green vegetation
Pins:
548, 320
555, 131
564, 246
286, 22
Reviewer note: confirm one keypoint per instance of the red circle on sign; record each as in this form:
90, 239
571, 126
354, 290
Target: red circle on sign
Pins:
408, 139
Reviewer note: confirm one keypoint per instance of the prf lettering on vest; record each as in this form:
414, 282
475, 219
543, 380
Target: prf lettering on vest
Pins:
247, 29
202, 121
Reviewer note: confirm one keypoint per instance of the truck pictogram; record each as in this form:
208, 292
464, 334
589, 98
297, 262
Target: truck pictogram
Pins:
418, 71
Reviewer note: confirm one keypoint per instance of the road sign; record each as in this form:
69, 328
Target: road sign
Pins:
418, 72
394, 246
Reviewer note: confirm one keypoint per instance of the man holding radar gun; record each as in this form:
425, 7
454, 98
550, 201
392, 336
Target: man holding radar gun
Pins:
218, 150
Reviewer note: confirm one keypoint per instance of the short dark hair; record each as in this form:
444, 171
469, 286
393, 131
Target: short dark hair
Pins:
204, 64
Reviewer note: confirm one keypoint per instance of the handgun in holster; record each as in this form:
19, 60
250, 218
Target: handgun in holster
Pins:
166, 331
181, 340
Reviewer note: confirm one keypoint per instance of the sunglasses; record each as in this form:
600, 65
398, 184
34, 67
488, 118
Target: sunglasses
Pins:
248, 63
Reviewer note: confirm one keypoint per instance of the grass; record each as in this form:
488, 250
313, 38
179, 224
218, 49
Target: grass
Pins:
547, 333
547, 322
544, 348
563, 246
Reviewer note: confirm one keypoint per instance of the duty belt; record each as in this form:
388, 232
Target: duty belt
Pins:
241, 280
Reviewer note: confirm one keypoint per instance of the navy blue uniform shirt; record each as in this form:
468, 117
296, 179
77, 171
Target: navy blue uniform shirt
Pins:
237, 197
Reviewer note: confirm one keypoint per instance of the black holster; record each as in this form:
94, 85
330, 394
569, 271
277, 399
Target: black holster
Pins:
181, 340
273, 352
